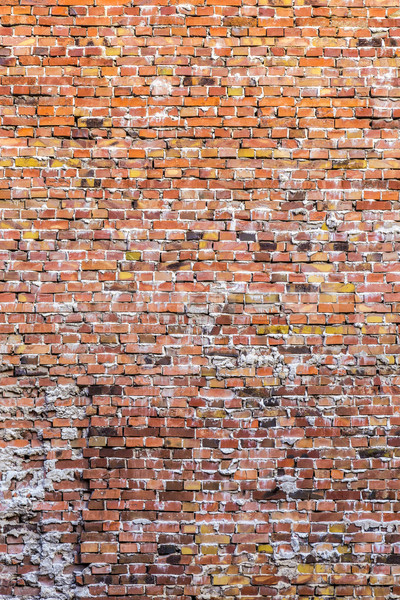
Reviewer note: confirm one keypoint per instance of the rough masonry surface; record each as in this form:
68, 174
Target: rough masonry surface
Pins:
200, 299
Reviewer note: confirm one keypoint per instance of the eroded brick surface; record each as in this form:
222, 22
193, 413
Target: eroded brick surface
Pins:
200, 288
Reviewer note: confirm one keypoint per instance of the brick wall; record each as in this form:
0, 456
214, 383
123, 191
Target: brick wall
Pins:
200, 292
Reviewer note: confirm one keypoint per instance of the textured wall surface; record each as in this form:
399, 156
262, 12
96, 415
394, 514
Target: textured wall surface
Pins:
200, 298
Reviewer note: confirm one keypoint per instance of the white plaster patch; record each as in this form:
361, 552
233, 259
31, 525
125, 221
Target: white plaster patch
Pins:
160, 87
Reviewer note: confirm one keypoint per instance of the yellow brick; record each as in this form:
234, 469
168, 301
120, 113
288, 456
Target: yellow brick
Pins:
209, 549
211, 235
137, 173
324, 268
206, 529
305, 329
165, 71
335, 330
212, 539
327, 298
326, 591
27, 162
30, 235
246, 153
74, 162
235, 91
230, 580
337, 528
265, 548
133, 256
221, 580
305, 568
90, 72
265, 329
255, 41
155, 153
322, 569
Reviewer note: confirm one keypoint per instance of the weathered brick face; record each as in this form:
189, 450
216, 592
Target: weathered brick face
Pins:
200, 293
